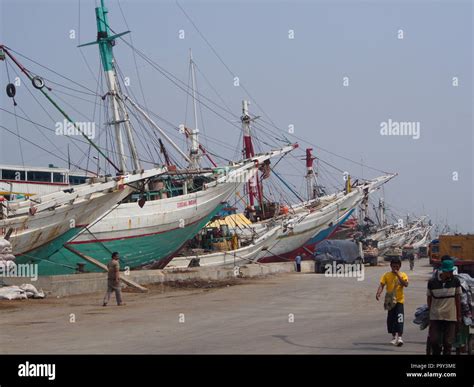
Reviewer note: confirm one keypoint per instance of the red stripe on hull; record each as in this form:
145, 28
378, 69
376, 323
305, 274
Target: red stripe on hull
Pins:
131, 236
290, 256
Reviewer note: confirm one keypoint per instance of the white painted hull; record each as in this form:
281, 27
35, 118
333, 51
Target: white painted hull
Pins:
36, 222
240, 256
381, 234
306, 225
46, 226
161, 216
396, 240
128, 220
423, 242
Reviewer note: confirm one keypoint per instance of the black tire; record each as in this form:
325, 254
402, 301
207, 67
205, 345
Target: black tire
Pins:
11, 90
38, 83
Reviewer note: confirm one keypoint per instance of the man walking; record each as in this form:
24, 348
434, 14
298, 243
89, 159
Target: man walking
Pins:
113, 280
444, 303
411, 258
395, 281
298, 263
438, 270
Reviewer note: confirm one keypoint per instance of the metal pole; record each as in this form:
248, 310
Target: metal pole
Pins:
195, 132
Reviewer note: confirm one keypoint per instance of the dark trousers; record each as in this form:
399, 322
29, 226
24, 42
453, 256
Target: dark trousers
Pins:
442, 331
298, 267
395, 319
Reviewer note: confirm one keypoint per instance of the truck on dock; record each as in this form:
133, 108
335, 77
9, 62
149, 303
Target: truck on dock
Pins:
459, 247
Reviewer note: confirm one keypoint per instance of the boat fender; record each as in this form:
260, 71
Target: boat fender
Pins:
38, 82
11, 90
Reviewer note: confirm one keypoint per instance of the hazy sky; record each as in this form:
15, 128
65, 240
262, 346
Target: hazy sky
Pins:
297, 81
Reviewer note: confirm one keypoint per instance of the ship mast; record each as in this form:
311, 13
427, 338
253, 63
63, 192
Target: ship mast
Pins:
194, 154
311, 186
106, 41
249, 153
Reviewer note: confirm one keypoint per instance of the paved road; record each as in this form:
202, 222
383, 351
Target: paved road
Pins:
331, 316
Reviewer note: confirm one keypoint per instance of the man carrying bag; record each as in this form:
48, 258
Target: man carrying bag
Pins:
394, 281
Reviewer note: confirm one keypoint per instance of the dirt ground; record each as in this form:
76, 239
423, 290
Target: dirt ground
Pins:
290, 313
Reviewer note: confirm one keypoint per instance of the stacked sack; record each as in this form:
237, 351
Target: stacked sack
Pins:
6, 254
20, 292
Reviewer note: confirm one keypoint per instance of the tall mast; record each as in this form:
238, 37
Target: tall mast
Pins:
130, 138
248, 147
194, 154
311, 187
106, 41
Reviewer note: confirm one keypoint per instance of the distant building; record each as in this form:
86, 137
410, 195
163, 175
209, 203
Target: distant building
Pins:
17, 181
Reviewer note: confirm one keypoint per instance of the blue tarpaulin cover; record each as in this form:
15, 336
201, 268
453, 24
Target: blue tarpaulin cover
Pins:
340, 250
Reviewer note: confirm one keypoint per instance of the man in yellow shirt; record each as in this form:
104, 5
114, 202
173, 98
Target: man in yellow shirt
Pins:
395, 281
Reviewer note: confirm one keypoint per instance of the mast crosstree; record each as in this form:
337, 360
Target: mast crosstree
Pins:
106, 42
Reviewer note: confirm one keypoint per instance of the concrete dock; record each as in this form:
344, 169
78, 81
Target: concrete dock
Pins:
294, 313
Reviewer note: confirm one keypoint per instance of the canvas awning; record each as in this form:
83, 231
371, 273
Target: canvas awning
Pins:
234, 220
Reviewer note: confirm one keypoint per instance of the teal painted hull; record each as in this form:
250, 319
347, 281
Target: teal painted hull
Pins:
43, 254
134, 252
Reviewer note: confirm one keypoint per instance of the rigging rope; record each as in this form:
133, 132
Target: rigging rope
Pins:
256, 103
